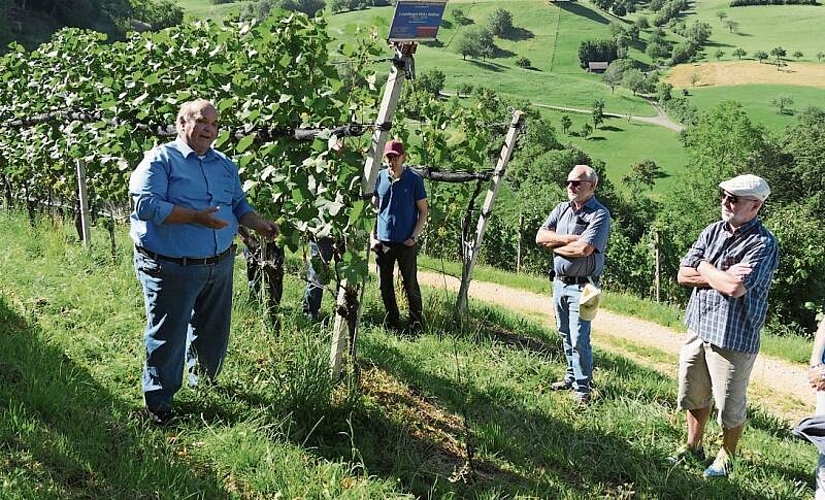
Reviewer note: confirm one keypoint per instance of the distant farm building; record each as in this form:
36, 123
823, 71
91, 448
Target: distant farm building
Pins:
597, 66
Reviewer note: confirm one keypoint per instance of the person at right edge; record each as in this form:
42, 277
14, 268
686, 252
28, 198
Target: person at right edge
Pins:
401, 200
816, 378
730, 268
576, 231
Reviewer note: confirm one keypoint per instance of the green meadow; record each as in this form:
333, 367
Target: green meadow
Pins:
756, 99
794, 27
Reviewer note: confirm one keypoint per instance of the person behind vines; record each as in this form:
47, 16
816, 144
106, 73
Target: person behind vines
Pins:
187, 205
318, 275
576, 231
264, 264
401, 200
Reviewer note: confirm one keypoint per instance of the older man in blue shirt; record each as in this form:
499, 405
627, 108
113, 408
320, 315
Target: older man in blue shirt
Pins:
187, 204
576, 231
729, 268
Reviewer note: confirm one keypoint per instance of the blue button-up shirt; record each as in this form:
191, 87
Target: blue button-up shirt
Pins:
173, 174
592, 223
728, 322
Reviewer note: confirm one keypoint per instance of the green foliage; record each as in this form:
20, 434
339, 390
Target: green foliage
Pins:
500, 22
431, 81
597, 50
739, 53
523, 62
783, 104
476, 41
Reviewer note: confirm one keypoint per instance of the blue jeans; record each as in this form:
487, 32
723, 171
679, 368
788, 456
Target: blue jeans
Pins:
314, 292
575, 334
186, 307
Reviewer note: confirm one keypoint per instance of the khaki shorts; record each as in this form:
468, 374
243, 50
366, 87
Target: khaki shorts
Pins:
708, 373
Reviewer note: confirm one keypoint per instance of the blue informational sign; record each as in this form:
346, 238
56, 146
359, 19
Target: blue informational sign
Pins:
416, 20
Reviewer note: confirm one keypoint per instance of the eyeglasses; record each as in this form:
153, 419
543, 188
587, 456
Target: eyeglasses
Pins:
725, 196
575, 183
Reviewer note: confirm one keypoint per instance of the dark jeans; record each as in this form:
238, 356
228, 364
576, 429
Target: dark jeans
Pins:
407, 258
314, 292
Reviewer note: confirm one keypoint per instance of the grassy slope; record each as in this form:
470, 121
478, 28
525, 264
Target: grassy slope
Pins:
756, 100
70, 354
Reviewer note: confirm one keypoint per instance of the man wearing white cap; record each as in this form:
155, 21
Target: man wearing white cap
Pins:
729, 268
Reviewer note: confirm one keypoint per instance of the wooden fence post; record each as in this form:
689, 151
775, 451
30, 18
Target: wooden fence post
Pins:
400, 71
84, 203
472, 250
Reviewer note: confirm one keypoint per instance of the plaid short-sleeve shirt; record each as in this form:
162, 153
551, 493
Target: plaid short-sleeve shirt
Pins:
729, 322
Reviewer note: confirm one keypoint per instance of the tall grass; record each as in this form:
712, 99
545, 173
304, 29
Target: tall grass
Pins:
462, 411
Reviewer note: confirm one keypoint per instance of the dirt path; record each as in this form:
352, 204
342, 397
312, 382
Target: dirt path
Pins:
661, 119
778, 386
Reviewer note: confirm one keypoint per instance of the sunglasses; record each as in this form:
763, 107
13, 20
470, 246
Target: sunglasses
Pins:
575, 183
725, 196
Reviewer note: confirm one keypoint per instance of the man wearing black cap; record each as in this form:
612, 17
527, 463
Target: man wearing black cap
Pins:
729, 268
401, 201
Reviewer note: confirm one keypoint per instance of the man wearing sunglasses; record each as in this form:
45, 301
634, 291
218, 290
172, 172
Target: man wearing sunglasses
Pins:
576, 231
729, 268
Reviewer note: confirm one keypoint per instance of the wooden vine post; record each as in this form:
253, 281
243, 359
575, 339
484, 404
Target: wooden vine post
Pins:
471, 250
347, 310
84, 203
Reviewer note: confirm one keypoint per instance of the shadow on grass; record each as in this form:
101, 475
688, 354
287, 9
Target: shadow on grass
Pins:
583, 11
498, 68
580, 451
518, 34
64, 434
611, 128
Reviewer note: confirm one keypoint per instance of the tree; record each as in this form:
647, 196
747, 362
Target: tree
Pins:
778, 53
731, 25
431, 81
643, 173
463, 89
782, 103
523, 62
760, 55
634, 80
642, 23
467, 44
798, 54
694, 78
612, 76
739, 53
820, 56
721, 15
658, 50
500, 22
587, 129
566, 122
699, 33
598, 113
664, 92
308, 7
719, 54
460, 18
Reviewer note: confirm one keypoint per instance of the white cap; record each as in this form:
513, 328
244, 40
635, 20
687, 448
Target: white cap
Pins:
747, 185
589, 302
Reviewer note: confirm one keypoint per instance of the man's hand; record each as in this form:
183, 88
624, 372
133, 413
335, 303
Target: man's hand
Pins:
375, 244
206, 218
740, 270
261, 226
815, 377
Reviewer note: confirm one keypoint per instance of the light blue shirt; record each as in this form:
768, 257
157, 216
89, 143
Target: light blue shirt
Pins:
730, 322
592, 224
173, 174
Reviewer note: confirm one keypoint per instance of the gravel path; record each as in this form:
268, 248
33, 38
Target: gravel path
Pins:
778, 386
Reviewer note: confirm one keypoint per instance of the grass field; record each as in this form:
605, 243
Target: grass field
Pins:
70, 357
794, 27
756, 101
